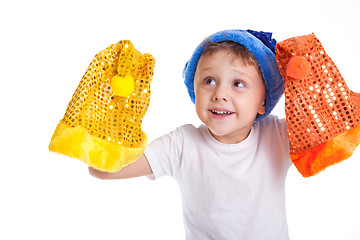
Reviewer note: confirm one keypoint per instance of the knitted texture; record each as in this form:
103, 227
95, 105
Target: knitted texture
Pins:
322, 113
102, 123
263, 54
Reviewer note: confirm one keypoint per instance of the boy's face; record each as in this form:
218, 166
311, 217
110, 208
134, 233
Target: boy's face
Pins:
228, 95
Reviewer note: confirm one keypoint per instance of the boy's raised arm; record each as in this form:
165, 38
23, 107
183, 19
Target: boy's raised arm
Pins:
138, 168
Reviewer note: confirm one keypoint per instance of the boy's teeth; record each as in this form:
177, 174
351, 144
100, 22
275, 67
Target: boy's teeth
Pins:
221, 112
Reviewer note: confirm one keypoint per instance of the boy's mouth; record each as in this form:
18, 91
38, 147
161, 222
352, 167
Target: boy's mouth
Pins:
221, 112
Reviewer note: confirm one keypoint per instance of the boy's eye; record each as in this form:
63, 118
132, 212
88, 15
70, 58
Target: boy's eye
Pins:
239, 84
209, 81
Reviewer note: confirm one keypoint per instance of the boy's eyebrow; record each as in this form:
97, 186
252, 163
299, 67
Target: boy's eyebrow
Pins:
241, 72
206, 68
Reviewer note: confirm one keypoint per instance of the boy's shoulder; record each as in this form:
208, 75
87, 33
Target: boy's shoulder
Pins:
273, 127
186, 128
191, 128
185, 131
270, 120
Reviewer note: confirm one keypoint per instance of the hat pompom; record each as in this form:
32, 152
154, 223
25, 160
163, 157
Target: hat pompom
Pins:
265, 38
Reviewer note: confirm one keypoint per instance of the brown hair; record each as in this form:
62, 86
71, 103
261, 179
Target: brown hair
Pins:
236, 49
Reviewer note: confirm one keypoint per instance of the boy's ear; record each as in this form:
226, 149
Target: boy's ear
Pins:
262, 108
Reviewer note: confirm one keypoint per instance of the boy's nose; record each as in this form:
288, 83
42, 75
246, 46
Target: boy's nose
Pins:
220, 95
217, 99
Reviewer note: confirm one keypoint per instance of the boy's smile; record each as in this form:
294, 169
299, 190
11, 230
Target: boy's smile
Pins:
228, 95
220, 113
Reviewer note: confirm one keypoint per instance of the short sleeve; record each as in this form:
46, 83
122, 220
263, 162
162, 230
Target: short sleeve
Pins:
274, 133
164, 154
284, 134
281, 123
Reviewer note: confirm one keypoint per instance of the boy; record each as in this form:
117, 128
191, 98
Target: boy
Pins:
231, 171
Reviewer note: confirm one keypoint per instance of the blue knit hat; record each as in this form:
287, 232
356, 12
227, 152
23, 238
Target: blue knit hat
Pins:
262, 46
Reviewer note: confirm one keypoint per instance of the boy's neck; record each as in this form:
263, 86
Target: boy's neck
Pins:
231, 139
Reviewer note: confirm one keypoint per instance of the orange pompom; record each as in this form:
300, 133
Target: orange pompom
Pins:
298, 68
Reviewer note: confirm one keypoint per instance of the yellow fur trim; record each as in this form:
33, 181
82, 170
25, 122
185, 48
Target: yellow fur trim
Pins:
100, 154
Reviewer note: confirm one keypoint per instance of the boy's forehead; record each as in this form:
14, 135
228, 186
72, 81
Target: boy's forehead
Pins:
221, 55
208, 60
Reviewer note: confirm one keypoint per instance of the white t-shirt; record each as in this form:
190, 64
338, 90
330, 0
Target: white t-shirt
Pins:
229, 191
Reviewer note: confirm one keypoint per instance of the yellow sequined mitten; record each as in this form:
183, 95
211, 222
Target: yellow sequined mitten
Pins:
102, 124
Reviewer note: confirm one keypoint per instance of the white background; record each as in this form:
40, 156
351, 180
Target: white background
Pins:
46, 47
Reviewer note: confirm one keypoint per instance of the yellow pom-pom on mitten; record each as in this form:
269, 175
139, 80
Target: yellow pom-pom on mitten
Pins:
122, 86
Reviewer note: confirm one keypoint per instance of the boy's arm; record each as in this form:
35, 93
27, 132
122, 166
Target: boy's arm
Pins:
138, 168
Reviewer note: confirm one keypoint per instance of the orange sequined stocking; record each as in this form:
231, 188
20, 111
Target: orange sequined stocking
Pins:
322, 114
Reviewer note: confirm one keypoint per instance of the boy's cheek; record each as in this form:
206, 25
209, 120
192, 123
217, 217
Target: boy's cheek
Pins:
201, 95
197, 91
